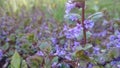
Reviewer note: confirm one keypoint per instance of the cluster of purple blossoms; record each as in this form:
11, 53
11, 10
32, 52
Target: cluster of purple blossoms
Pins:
88, 24
72, 17
69, 6
114, 39
73, 32
100, 34
78, 29
59, 51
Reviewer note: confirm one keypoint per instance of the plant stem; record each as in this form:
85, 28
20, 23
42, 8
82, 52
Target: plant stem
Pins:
83, 18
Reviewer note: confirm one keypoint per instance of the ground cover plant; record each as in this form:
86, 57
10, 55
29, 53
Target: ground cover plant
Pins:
59, 34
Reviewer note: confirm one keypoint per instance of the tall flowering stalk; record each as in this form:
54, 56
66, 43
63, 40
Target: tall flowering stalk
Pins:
81, 4
83, 18
74, 17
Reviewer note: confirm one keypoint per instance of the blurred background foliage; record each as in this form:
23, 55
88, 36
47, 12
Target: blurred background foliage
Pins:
55, 8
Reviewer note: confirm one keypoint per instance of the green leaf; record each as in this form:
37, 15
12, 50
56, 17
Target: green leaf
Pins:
6, 46
31, 37
55, 59
87, 46
116, 26
96, 16
62, 41
10, 53
47, 63
88, 34
64, 66
108, 66
26, 48
12, 37
27, 22
114, 52
97, 41
45, 46
24, 64
16, 60
96, 67
34, 61
79, 48
82, 56
83, 64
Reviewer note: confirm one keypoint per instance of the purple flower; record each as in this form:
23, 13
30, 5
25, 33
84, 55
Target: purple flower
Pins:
40, 53
90, 66
118, 36
117, 43
54, 64
69, 35
63, 52
76, 43
109, 45
89, 24
60, 52
74, 32
101, 59
69, 7
113, 62
54, 40
96, 50
65, 28
112, 38
68, 57
117, 32
73, 17
115, 39
1, 54
118, 65
103, 33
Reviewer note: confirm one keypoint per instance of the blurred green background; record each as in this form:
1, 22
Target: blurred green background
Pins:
56, 8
